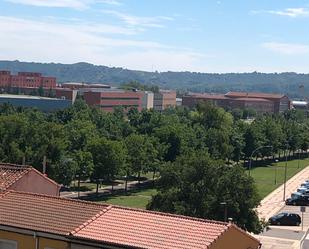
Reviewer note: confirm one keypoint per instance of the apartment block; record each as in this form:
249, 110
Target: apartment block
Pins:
26, 79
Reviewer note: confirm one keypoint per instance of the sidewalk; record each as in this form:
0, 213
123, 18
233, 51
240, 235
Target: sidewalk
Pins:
272, 203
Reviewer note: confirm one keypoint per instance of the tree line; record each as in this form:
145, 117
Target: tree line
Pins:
201, 154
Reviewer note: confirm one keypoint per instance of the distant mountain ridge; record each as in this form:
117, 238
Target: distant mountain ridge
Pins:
287, 83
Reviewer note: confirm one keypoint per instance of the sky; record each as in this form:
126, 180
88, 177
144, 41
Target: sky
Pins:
159, 35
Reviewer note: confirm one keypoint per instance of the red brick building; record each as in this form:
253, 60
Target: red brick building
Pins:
108, 100
260, 102
26, 79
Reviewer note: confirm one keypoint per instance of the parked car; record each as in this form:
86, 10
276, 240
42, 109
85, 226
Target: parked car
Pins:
298, 199
305, 184
285, 219
303, 190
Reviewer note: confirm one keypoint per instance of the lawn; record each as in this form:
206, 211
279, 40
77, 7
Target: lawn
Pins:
136, 199
264, 176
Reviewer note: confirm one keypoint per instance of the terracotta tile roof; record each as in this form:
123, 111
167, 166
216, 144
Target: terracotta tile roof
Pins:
106, 224
254, 95
206, 96
252, 100
146, 229
45, 213
11, 173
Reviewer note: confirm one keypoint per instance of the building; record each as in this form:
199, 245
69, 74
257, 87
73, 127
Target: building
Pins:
78, 85
260, 102
26, 79
299, 105
30, 220
107, 100
66, 93
41, 103
148, 100
27, 179
164, 99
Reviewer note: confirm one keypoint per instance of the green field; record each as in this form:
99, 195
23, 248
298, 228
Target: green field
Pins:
264, 176
136, 199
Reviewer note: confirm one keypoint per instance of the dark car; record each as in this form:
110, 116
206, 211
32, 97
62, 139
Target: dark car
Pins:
288, 219
298, 199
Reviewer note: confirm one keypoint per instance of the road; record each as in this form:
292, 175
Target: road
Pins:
283, 237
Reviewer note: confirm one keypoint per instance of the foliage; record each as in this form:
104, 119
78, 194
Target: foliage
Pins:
195, 185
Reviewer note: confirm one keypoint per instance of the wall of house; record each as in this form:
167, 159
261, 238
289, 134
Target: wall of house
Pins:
35, 183
29, 242
236, 238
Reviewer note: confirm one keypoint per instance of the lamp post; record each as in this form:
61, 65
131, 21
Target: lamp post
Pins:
276, 171
225, 210
261, 147
285, 170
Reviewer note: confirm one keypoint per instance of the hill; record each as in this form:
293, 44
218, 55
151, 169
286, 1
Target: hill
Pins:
287, 83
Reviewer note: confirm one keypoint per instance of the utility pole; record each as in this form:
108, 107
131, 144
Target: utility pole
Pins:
285, 170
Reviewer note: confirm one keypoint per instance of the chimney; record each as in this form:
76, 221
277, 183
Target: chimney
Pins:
44, 164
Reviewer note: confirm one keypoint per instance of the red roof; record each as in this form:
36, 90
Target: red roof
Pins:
11, 173
106, 224
254, 95
207, 96
45, 213
146, 229
253, 100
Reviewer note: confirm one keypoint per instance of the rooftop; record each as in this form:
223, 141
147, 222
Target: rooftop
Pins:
11, 173
108, 224
254, 95
13, 96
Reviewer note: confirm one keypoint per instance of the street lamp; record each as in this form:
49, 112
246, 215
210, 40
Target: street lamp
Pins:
276, 171
225, 210
285, 170
261, 147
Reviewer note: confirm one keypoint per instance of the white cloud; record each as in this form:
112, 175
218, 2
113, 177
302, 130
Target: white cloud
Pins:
50, 41
290, 12
74, 4
111, 2
287, 48
138, 21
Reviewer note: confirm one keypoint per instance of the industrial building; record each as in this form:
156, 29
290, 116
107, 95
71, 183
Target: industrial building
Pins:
79, 85
164, 99
107, 100
41, 103
26, 79
260, 102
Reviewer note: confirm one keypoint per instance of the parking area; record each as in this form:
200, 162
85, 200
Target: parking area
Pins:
283, 237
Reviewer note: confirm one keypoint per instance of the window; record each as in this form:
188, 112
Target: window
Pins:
8, 244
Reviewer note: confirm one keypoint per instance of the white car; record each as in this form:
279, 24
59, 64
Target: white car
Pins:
303, 190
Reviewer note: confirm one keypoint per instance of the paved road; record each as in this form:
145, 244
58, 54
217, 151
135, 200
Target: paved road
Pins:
283, 237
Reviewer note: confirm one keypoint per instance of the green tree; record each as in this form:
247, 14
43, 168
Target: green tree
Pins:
195, 185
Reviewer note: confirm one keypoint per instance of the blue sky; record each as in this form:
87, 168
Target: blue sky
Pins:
177, 35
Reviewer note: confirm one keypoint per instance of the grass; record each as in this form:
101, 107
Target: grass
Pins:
264, 176
85, 186
136, 199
